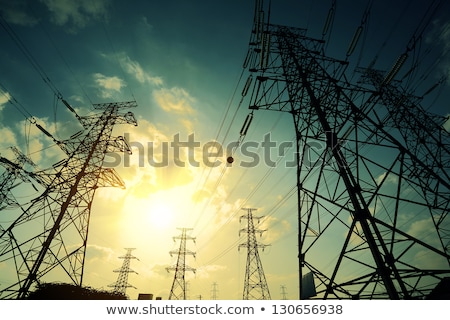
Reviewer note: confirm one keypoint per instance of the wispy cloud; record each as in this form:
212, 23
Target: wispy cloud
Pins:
8, 138
175, 100
4, 99
108, 85
382, 177
134, 68
16, 12
76, 14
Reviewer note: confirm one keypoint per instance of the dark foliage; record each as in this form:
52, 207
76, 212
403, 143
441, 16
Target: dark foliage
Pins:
64, 291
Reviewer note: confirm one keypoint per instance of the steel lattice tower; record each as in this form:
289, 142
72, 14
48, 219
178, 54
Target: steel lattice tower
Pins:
48, 234
255, 284
283, 292
178, 290
373, 169
122, 284
14, 171
214, 291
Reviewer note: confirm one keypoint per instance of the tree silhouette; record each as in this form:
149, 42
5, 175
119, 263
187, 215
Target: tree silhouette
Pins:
65, 291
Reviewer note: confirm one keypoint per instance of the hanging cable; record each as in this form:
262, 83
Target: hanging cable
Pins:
29, 56
66, 63
38, 68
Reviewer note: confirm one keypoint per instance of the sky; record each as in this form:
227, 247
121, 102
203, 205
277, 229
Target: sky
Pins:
181, 62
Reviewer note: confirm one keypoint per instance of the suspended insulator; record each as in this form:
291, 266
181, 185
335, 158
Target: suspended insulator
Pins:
246, 124
328, 21
266, 62
263, 50
257, 27
247, 85
265, 46
395, 69
431, 89
59, 163
76, 135
43, 130
261, 21
68, 105
355, 39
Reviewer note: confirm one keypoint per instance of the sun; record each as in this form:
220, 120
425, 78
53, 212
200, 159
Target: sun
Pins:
161, 216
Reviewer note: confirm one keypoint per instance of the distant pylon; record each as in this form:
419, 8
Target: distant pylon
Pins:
178, 290
283, 292
214, 291
255, 284
122, 284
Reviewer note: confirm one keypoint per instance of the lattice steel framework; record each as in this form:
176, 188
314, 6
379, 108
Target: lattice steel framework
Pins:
255, 283
178, 289
47, 235
373, 173
122, 284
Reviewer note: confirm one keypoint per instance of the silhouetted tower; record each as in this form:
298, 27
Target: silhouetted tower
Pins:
122, 284
214, 291
48, 234
12, 176
255, 284
373, 166
178, 290
283, 292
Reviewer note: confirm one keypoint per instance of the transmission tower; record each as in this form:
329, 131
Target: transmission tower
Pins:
214, 291
283, 292
47, 235
373, 167
122, 284
255, 284
178, 290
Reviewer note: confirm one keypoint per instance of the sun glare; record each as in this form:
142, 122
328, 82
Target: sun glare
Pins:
161, 216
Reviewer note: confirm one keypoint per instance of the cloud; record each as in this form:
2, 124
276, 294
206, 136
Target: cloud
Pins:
391, 178
15, 12
134, 68
96, 252
145, 25
8, 138
188, 124
4, 99
175, 100
210, 271
76, 14
108, 85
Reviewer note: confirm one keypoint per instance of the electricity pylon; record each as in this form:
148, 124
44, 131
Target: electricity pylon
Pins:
214, 291
255, 284
373, 168
45, 237
122, 284
178, 290
283, 292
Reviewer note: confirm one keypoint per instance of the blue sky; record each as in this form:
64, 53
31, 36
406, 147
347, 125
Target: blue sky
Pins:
181, 62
